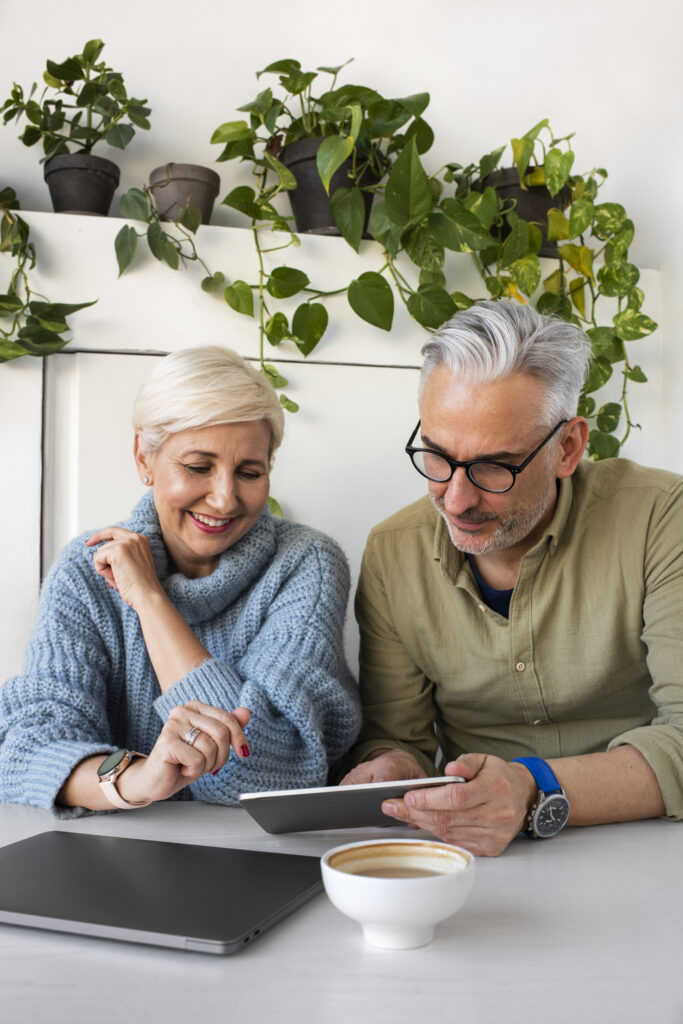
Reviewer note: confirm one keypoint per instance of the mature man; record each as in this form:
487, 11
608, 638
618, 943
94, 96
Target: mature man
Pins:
531, 607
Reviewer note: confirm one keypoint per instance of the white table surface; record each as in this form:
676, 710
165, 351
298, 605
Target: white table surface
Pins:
585, 928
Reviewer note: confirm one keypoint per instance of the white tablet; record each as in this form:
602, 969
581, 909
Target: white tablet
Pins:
330, 807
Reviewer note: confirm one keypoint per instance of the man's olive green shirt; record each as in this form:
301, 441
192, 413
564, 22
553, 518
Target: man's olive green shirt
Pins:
591, 656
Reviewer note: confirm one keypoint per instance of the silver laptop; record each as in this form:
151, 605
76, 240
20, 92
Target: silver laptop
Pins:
200, 898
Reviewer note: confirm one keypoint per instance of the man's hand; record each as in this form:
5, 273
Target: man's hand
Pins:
393, 764
483, 814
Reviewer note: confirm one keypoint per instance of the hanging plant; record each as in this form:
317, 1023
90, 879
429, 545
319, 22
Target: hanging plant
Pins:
29, 323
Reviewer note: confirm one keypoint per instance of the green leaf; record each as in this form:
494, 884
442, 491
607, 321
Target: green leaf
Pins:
119, 135
287, 67
274, 508
617, 278
125, 245
586, 406
608, 218
580, 217
517, 243
242, 199
484, 206
422, 133
415, 104
408, 196
554, 282
239, 297
92, 49
348, 208
190, 216
277, 328
214, 283
521, 154
288, 404
308, 325
636, 375
53, 314
383, 229
601, 339
635, 298
10, 304
457, 228
156, 239
602, 446
285, 176
331, 155
232, 131
371, 298
68, 71
557, 168
579, 258
39, 341
431, 306
274, 376
526, 273
134, 204
599, 373
423, 249
558, 226
488, 163
631, 324
432, 277
608, 417
461, 301
286, 281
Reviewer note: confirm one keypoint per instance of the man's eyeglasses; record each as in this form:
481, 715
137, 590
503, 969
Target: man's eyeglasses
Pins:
496, 477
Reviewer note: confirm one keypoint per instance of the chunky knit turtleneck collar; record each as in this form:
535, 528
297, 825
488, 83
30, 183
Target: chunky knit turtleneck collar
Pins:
200, 599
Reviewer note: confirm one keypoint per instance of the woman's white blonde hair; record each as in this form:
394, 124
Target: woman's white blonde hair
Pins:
201, 387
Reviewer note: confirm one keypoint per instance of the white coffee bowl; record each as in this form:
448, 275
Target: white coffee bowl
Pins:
367, 882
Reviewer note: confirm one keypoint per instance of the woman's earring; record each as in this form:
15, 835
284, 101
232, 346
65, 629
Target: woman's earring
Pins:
145, 479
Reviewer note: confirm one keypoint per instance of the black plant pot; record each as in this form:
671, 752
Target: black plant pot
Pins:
176, 184
310, 203
532, 204
81, 183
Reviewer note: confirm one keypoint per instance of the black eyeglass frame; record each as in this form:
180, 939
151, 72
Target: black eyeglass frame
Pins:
467, 466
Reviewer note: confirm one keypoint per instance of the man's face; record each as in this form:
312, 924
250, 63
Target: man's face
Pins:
502, 421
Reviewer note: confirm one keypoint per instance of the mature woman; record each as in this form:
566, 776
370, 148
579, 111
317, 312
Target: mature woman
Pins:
199, 625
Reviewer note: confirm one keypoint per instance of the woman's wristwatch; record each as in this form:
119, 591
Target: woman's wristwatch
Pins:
109, 771
550, 812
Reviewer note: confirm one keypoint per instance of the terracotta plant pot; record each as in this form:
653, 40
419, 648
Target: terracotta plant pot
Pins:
310, 203
176, 184
81, 183
533, 202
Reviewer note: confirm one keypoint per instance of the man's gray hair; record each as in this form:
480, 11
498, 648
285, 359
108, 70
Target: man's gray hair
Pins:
493, 340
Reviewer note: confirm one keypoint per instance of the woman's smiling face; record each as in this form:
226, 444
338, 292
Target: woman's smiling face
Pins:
210, 486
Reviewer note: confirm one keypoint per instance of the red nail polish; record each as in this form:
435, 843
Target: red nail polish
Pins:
216, 772
244, 751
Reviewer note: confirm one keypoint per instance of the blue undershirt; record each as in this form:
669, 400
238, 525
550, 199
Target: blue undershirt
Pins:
499, 600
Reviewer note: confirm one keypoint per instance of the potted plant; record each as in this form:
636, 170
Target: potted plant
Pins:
330, 152
593, 284
84, 102
174, 186
29, 323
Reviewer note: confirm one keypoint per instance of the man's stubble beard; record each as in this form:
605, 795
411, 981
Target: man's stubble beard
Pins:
514, 525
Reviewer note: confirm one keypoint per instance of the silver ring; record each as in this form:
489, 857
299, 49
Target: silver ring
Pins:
191, 735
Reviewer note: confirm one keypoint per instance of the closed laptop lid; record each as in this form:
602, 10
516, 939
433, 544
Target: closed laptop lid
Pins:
201, 898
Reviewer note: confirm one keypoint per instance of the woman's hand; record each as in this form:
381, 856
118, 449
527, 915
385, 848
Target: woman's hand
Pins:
125, 563
174, 763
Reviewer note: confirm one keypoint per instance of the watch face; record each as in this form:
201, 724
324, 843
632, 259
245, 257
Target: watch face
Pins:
111, 762
551, 816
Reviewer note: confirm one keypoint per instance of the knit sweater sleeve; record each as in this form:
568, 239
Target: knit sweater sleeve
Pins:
54, 714
290, 672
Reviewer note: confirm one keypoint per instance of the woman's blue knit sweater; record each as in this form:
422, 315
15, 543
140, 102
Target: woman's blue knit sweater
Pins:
271, 615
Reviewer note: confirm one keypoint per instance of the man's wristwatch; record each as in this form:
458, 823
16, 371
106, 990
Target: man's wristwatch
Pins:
108, 773
549, 813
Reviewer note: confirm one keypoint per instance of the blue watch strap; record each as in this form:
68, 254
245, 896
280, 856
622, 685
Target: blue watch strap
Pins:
546, 780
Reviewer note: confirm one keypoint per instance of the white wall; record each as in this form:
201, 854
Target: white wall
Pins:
608, 70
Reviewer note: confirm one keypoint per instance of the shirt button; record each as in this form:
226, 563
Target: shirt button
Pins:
520, 666
482, 608
539, 721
